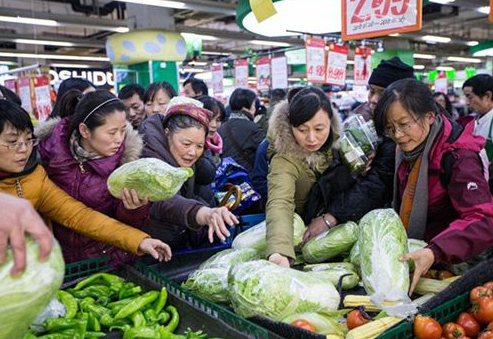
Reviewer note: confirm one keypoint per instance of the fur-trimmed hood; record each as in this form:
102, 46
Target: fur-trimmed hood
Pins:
133, 144
282, 140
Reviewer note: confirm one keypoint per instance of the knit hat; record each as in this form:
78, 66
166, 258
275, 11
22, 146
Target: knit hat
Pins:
187, 106
389, 71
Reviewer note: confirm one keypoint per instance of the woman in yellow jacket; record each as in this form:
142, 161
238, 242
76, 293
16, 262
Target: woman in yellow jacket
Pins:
22, 176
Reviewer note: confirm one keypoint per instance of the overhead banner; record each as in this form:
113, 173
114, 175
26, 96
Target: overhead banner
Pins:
372, 18
262, 72
362, 65
337, 64
315, 60
43, 99
241, 73
26, 93
279, 68
217, 78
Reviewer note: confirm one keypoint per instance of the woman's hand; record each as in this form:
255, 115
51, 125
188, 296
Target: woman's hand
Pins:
217, 219
156, 248
279, 259
131, 199
318, 226
423, 259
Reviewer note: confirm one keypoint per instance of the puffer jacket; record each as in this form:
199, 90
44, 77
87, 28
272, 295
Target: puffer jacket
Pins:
86, 182
292, 173
460, 215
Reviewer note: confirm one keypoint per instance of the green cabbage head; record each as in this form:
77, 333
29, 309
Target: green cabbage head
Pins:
229, 257
24, 297
261, 288
150, 177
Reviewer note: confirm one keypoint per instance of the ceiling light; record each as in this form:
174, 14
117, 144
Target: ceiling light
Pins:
53, 56
29, 21
482, 49
424, 56
121, 29
483, 9
2, 62
434, 38
197, 63
192, 70
472, 43
461, 59
215, 53
350, 62
445, 68
292, 18
394, 34
70, 65
269, 43
294, 79
419, 66
159, 3
191, 36
442, 2
44, 42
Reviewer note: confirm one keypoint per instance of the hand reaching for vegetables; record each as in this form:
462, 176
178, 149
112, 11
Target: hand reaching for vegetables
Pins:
318, 225
423, 259
279, 259
131, 199
217, 219
156, 248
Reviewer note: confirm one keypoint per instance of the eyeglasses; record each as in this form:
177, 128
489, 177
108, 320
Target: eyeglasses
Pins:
401, 128
18, 145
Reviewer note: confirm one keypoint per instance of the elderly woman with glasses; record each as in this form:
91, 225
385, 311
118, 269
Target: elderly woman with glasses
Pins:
440, 190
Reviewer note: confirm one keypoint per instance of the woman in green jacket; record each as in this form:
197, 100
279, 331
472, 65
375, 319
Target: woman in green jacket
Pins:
302, 133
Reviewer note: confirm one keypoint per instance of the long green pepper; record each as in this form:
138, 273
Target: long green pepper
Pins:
114, 282
137, 304
175, 319
70, 303
161, 301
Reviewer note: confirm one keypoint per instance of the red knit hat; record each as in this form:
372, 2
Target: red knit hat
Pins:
200, 114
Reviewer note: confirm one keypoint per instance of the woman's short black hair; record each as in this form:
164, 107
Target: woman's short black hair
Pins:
15, 116
153, 88
241, 98
414, 96
211, 104
65, 86
306, 103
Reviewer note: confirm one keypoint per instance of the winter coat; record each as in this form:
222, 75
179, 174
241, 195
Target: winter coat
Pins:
247, 136
86, 182
53, 203
170, 219
292, 173
460, 215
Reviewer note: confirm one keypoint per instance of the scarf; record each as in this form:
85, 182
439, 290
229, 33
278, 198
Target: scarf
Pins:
413, 208
78, 152
215, 144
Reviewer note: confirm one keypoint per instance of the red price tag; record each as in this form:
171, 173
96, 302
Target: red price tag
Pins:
315, 60
336, 65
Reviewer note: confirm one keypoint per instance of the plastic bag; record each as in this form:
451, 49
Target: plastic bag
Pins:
150, 177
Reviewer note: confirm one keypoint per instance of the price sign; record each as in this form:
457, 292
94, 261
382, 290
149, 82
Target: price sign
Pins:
315, 60
263, 73
336, 65
217, 78
362, 65
43, 98
279, 68
441, 83
241, 73
372, 18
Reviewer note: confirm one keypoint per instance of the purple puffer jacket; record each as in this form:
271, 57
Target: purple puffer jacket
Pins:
86, 182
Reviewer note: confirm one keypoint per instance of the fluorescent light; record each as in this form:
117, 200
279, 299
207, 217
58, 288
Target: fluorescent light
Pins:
271, 43
472, 43
294, 79
350, 62
419, 66
44, 42
2, 62
197, 63
424, 56
159, 3
71, 65
29, 21
434, 38
121, 29
442, 2
53, 56
461, 59
192, 70
197, 36
445, 68
483, 9
394, 34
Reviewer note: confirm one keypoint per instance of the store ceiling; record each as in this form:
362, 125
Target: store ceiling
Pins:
85, 25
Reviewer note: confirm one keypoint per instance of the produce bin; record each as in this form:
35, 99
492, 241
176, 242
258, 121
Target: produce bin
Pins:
195, 314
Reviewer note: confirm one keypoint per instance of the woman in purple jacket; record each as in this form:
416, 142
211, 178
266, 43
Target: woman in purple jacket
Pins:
79, 152
440, 190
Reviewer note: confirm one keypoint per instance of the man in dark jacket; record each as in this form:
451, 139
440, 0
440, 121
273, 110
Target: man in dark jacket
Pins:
343, 197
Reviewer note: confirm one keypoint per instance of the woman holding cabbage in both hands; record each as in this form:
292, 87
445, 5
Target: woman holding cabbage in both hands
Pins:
440, 191
302, 134
178, 137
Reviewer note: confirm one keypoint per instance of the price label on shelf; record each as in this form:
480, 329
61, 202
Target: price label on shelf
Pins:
315, 60
336, 65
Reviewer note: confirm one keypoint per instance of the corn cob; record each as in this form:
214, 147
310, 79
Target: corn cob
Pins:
364, 300
372, 329
333, 336
426, 285
452, 279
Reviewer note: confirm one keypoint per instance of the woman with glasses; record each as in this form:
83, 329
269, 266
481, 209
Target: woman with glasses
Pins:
440, 190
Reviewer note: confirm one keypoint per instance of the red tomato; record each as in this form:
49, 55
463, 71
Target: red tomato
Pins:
483, 310
489, 327
489, 285
453, 331
470, 324
478, 292
304, 324
427, 328
356, 318
486, 335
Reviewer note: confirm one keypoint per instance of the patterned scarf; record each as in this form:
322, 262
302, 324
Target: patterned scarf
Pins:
80, 154
215, 144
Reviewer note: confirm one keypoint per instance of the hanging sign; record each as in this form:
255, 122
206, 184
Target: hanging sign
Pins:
315, 60
217, 78
279, 68
262, 72
241, 73
26, 93
491, 11
441, 83
372, 18
43, 98
362, 65
336, 65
